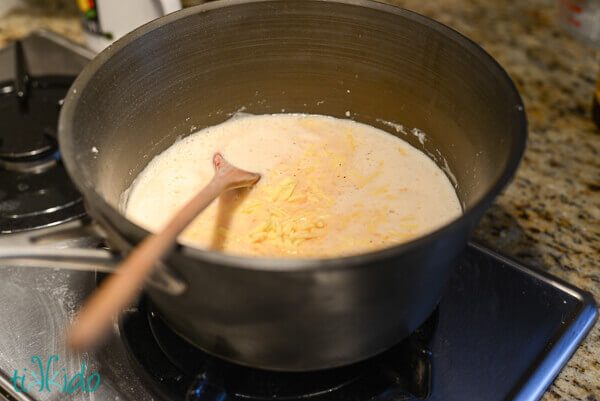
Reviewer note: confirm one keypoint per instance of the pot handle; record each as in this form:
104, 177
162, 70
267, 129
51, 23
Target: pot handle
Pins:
84, 259
93, 260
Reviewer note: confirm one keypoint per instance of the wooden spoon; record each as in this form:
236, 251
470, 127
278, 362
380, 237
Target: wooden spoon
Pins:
119, 290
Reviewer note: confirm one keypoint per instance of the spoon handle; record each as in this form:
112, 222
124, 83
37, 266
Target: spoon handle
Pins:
119, 290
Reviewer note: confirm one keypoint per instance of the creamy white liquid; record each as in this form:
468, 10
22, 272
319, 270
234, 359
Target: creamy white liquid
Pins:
329, 187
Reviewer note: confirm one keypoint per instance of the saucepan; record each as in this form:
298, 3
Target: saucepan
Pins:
374, 63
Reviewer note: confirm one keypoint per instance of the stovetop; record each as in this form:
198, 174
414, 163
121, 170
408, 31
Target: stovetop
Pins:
35, 190
501, 332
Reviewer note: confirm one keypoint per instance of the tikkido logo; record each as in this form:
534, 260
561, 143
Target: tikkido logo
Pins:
49, 379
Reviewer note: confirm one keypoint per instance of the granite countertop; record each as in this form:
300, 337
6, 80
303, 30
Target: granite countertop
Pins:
53, 15
549, 217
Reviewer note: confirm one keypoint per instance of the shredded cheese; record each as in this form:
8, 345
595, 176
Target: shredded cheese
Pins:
328, 187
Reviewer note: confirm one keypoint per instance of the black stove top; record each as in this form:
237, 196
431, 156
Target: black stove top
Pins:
178, 371
29, 108
502, 332
35, 190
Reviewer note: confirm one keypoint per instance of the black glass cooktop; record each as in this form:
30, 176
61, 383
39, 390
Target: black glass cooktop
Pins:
502, 332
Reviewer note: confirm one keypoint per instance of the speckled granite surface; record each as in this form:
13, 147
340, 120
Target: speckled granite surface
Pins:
549, 217
53, 15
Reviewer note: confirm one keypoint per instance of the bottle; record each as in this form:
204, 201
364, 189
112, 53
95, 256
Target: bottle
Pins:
581, 19
104, 21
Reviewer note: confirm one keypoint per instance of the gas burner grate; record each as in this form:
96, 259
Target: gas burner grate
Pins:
35, 190
176, 370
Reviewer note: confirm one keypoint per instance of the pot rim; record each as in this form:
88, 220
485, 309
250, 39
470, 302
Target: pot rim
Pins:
292, 264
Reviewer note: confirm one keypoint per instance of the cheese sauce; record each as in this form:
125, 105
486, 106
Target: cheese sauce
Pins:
329, 187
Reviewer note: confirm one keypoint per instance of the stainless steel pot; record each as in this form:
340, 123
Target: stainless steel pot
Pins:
381, 64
